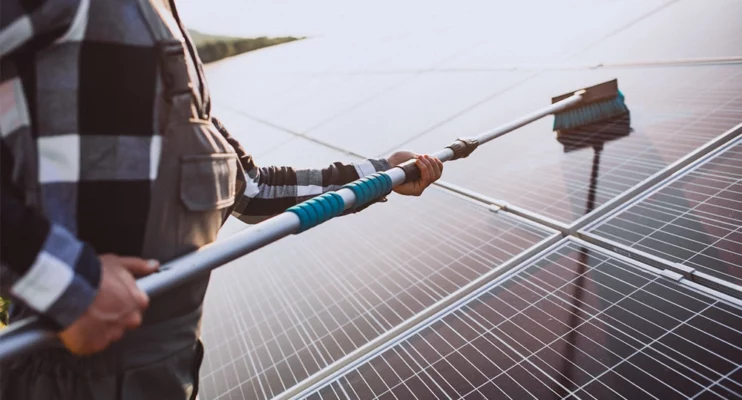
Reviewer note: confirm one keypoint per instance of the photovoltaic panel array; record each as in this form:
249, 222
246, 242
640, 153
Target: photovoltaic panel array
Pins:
289, 310
575, 323
578, 322
674, 111
694, 219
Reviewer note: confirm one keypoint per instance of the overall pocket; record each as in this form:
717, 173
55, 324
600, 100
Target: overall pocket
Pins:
208, 186
207, 182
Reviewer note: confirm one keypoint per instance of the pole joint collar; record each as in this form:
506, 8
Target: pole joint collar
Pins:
463, 147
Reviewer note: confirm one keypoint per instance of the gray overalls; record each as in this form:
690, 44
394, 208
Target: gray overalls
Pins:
198, 180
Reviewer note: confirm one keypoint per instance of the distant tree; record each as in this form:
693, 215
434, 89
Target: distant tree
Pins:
4, 306
212, 48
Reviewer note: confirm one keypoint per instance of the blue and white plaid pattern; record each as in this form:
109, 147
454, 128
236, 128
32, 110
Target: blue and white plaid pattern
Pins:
80, 94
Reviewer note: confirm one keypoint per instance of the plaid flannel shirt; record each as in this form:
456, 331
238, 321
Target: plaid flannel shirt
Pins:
79, 96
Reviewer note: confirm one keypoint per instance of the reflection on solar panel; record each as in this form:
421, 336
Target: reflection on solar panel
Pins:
296, 306
575, 323
673, 112
695, 219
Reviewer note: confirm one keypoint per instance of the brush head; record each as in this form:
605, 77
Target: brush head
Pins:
599, 103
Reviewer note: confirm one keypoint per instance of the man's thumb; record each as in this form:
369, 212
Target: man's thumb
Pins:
139, 267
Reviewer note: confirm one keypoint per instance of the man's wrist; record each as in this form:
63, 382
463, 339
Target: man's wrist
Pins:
63, 280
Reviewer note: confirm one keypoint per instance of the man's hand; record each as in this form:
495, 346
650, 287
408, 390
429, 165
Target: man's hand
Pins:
117, 307
430, 171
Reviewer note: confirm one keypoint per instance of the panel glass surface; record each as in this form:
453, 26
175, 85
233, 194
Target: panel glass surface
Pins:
282, 313
539, 33
415, 106
673, 112
687, 29
695, 220
576, 324
257, 138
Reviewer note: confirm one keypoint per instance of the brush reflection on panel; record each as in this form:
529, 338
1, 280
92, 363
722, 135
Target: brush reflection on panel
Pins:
569, 325
595, 137
696, 220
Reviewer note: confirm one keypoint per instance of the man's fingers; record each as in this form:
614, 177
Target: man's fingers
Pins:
437, 167
133, 320
424, 171
431, 171
114, 335
138, 266
141, 298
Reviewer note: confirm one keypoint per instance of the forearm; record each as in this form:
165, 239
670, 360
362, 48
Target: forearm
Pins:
43, 265
271, 190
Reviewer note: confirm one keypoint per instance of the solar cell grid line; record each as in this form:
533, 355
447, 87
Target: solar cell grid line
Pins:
337, 289
525, 274
638, 335
542, 326
334, 254
400, 238
248, 341
693, 219
379, 249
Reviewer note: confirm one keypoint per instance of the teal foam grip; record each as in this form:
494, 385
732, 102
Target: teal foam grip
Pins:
318, 210
370, 188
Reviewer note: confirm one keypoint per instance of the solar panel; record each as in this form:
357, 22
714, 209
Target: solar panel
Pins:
694, 219
576, 322
377, 125
258, 137
281, 314
536, 33
687, 29
674, 111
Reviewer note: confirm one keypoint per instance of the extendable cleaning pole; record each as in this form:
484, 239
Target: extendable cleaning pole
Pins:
31, 333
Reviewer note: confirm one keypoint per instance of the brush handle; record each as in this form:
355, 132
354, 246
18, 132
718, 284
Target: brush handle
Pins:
31, 333
462, 148
527, 119
411, 172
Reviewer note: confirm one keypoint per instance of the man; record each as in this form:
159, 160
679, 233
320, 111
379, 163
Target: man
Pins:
112, 164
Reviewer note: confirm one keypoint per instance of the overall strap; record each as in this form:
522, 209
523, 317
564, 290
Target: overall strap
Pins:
179, 91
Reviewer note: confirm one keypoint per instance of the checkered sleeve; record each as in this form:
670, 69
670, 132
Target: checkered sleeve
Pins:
50, 270
29, 25
271, 190
43, 265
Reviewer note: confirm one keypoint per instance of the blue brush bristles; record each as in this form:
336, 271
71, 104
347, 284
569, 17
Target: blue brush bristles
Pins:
590, 113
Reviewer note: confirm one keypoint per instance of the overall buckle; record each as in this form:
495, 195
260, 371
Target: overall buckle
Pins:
176, 79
